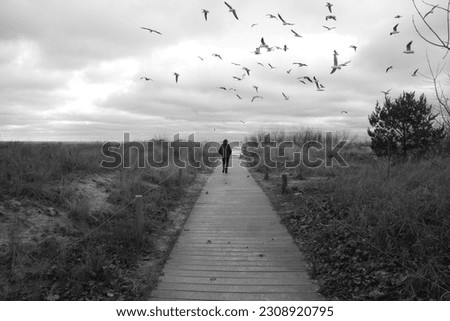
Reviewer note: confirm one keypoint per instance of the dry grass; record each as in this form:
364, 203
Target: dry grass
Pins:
370, 235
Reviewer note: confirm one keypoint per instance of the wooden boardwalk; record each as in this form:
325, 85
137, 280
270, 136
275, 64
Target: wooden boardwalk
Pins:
233, 247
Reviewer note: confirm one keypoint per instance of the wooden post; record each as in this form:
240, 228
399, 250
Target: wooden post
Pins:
180, 180
284, 183
139, 220
266, 174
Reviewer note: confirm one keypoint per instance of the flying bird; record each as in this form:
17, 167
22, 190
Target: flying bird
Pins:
223, 88
306, 77
217, 55
271, 67
152, 30
238, 96
285, 97
242, 121
263, 44
398, 16
289, 71
329, 5
330, 17
271, 16
205, 13
284, 22
389, 68
386, 92
295, 34
344, 112
353, 47
254, 24
329, 28
237, 78
256, 88
176, 76
408, 48
236, 64
300, 64
320, 87
414, 74
200, 58
246, 70
394, 30
260, 63
335, 66
232, 10
254, 97
146, 78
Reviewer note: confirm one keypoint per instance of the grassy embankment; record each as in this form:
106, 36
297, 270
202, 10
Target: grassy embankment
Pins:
68, 225
369, 232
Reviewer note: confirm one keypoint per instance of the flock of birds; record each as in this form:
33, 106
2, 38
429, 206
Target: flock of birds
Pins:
264, 46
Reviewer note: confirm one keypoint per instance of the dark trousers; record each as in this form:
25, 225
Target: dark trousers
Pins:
225, 161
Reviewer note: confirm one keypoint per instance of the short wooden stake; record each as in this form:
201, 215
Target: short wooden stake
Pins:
139, 220
266, 174
284, 183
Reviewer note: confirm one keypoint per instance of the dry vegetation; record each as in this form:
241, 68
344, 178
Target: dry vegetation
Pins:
370, 231
67, 228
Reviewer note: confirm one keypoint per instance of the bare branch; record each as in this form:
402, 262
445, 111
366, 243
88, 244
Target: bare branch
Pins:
442, 42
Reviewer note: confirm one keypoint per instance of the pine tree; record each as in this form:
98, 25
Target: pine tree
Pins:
403, 125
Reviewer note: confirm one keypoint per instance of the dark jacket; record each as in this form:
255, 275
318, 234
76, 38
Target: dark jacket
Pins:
225, 150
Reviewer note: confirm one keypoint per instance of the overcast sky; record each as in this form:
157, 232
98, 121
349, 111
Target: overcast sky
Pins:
71, 70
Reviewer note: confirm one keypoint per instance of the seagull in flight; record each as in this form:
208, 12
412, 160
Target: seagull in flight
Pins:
300, 64
353, 47
329, 28
205, 13
200, 58
242, 121
394, 30
408, 48
398, 16
389, 68
263, 44
152, 30
329, 5
306, 77
236, 64
284, 22
320, 87
295, 34
260, 63
254, 24
386, 92
344, 112
257, 51
271, 67
285, 97
271, 16
414, 74
232, 10
223, 88
246, 70
238, 96
146, 78
176, 76
254, 97
330, 17
217, 55
256, 88
336, 66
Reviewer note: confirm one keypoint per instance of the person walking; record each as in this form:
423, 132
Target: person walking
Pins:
225, 152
